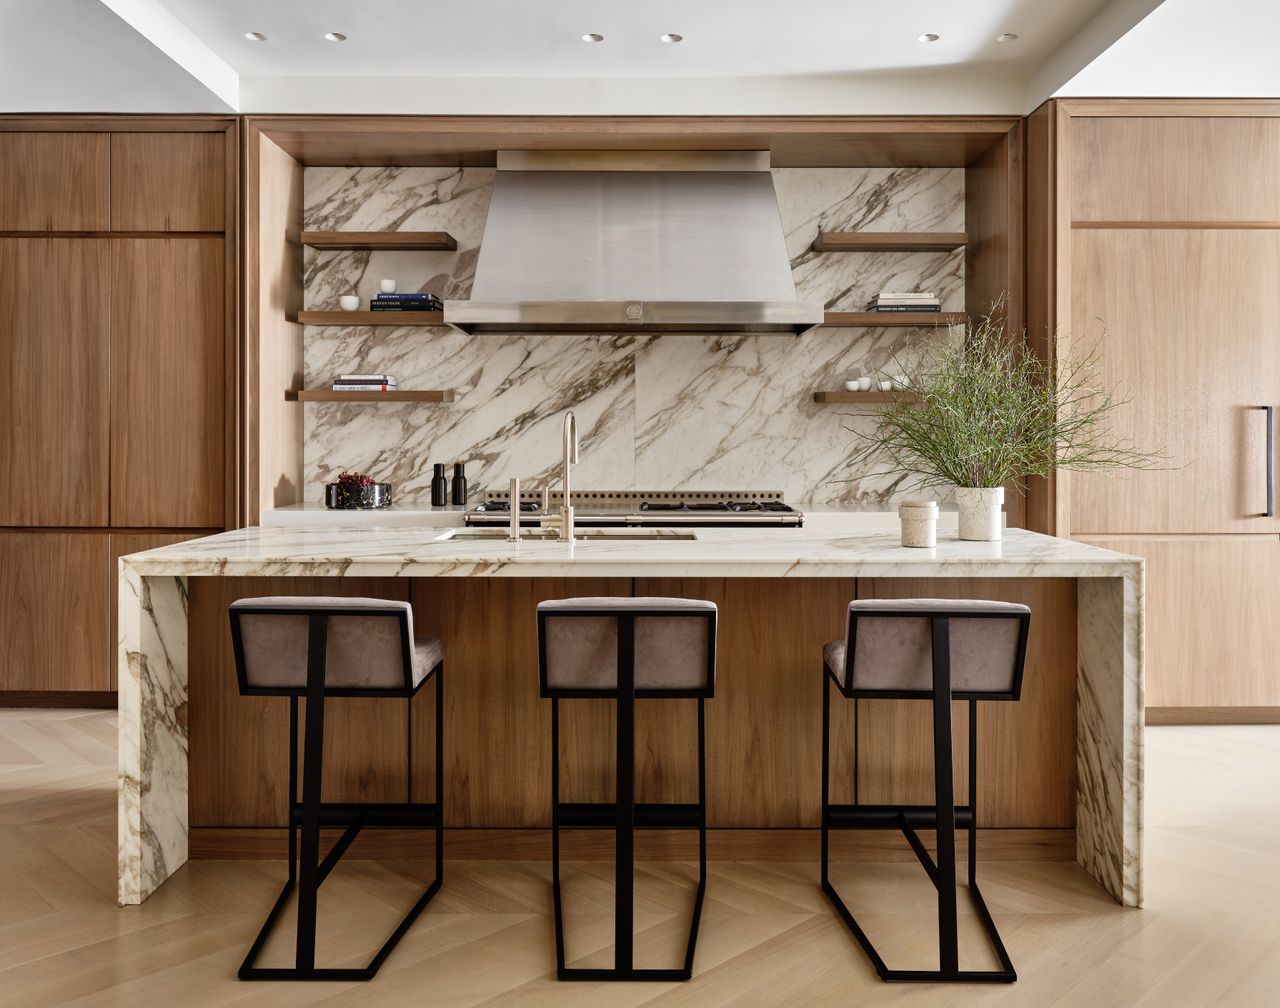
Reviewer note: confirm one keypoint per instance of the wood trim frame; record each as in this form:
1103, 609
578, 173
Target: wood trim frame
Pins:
1213, 715
270, 843
796, 141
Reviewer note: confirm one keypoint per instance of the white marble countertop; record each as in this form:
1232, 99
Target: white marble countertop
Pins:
735, 552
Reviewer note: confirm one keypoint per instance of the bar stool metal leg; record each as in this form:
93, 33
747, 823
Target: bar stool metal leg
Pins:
308, 872
625, 816
943, 817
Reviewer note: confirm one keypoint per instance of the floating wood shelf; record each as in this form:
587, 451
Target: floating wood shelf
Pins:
889, 241
330, 395
916, 320
869, 398
384, 318
368, 241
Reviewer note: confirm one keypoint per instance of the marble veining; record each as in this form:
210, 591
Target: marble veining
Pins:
153, 672
696, 412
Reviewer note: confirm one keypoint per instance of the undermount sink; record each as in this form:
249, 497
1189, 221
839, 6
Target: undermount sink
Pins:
545, 535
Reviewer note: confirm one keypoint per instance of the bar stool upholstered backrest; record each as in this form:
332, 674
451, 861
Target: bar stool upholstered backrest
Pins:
674, 645
369, 645
888, 650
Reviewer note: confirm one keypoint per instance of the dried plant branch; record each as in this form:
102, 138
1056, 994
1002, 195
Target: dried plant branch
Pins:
986, 411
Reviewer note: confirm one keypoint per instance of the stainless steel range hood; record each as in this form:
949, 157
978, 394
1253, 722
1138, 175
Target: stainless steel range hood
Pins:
632, 242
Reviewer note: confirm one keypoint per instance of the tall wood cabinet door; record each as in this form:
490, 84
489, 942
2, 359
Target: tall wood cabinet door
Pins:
167, 382
168, 181
54, 369
54, 181
53, 611
1212, 636
1187, 323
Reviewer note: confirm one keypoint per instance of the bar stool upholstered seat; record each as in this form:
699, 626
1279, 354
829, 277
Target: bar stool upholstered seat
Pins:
317, 647
937, 650
627, 649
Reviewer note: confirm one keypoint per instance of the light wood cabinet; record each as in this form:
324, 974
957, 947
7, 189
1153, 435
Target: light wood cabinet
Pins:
1187, 323
54, 611
168, 181
167, 374
1212, 635
54, 370
54, 181
1175, 168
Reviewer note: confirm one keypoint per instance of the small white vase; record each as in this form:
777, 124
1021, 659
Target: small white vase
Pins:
981, 513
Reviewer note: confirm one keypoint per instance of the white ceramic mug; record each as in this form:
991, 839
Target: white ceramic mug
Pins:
853, 385
886, 385
864, 383
387, 285
349, 302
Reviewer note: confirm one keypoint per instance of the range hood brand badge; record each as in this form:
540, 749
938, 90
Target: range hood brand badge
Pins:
634, 311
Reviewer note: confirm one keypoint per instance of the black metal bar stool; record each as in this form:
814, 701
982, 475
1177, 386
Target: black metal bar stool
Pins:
936, 650
627, 649
339, 647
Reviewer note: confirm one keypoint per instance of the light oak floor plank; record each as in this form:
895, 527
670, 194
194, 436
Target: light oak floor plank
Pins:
1210, 935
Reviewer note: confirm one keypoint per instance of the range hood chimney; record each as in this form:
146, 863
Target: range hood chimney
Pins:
633, 242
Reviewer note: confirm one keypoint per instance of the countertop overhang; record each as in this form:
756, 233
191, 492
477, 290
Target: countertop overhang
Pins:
736, 552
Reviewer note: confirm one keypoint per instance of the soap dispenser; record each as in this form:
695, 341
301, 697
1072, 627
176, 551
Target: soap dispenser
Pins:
439, 487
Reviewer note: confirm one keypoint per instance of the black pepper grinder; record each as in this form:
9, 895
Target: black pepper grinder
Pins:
459, 484
439, 487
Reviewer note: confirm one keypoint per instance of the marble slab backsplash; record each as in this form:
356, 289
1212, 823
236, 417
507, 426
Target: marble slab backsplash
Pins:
672, 411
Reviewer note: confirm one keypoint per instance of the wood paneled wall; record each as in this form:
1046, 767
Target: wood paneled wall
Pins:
1156, 242
763, 726
118, 254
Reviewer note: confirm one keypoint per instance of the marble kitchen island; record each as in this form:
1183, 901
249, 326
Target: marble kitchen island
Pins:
780, 568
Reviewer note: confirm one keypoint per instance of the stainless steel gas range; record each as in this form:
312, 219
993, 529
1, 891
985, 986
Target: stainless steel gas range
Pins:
645, 508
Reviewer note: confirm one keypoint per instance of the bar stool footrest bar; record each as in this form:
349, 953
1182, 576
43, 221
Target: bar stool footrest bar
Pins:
604, 815
382, 815
892, 816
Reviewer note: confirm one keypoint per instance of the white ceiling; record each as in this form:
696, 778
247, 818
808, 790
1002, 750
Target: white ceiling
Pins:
77, 56
542, 38
784, 57
1218, 49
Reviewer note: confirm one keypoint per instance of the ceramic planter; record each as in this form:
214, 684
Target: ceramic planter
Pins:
981, 517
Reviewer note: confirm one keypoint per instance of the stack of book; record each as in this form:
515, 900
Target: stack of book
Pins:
892, 301
364, 383
406, 302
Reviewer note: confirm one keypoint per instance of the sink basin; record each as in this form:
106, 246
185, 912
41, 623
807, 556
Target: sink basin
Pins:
582, 535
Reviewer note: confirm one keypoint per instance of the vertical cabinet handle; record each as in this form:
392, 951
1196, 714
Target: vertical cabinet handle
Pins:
1271, 455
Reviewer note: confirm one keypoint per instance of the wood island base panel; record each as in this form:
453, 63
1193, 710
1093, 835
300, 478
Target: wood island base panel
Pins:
1064, 762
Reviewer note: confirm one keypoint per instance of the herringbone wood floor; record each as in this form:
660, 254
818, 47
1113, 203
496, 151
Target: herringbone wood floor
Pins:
1209, 936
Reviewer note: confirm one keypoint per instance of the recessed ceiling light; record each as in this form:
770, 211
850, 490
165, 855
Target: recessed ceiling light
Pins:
672, 37
255, 36
334, 37
592, 37
929, 37
1007, 37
